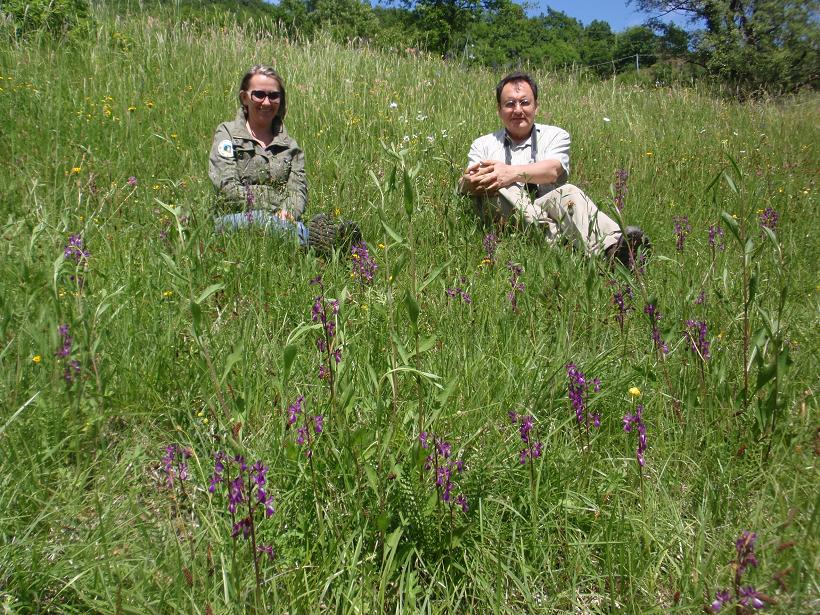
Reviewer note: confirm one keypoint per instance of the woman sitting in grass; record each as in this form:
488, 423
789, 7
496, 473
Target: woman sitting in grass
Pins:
258, 170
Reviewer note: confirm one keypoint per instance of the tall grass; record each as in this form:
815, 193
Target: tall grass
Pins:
190, 338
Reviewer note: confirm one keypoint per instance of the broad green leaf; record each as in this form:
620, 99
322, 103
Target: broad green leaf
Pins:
730, 182
732, 224
434, 274
713, 183
738, 172
765, 374
412, 309
391, 180
409, 194
411, 370
373, 377
208, 292
233, 358
342, 298
752, 287
392, 232
784, 361
372, 479
387, 438
288, 356
427, 343
398, 266
35, 233
405, 356
301, 331
196, 318
57, 267
773, 238
18, 412
447, 391
377, 182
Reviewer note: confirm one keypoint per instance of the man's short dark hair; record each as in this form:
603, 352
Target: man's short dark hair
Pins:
513, 77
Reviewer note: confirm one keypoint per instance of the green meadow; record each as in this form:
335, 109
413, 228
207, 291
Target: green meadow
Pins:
128, 326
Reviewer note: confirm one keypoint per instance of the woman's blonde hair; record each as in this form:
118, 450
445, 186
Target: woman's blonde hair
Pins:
263, 69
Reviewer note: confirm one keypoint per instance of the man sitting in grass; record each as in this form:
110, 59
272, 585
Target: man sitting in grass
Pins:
524, 167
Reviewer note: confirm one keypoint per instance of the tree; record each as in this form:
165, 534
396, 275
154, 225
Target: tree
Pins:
673, 41
561, 36
757, 44
599, 45
345, 19
502, 37
561, 26
636, 41
446, 21
294, 15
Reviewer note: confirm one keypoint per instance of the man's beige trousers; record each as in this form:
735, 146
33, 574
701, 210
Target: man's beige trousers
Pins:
565, 213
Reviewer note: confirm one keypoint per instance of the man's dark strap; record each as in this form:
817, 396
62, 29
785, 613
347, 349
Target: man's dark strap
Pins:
533, 189
533, 147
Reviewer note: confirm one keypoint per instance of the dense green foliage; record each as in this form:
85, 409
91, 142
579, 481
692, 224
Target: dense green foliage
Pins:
183, 337
63, 18
753, 47
496, 33
771, 45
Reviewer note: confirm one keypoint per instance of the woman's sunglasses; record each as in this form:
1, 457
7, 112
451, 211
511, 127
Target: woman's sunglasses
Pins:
261, 95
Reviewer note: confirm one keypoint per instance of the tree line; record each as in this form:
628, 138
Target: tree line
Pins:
753, 45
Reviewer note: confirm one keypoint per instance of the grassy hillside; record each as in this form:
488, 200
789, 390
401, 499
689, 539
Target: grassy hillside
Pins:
128, 326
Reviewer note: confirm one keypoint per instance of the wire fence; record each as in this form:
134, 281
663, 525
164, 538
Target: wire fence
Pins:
634, 56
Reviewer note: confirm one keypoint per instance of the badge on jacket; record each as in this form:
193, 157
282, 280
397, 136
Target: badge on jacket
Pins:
225, 148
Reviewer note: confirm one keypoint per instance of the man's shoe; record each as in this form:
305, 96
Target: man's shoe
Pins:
632, 247
348, 234
324, 235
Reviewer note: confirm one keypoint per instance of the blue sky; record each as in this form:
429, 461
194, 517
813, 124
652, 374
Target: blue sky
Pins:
616, 12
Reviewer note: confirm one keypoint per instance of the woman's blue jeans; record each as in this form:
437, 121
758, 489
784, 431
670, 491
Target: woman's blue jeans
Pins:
268, 220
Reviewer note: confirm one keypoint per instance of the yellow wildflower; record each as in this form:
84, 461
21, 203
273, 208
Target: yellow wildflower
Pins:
634, 391
381, 246
167, 293
131, 108
75, 170
37, 358
149, 104
648, 154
